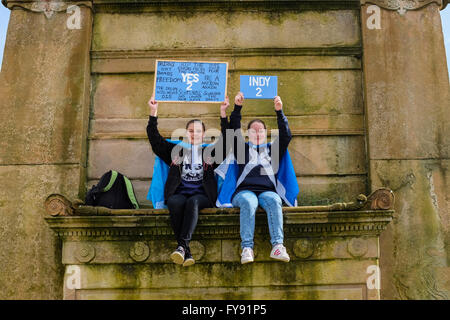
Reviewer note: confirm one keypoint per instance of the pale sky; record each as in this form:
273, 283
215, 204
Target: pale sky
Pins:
4, 18
445, 17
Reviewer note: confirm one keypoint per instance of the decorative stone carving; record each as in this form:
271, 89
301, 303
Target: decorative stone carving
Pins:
58, 205
357, 247
355, 205
304, 248
401, 6
197, 249
381, 199
47, 7
139, 251
85, 253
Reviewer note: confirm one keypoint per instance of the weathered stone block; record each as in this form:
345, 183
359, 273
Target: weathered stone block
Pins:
407, 98
311, 156
255, 59
30, 255
303, 92
183, 28
45, 121
416, 245
322, 190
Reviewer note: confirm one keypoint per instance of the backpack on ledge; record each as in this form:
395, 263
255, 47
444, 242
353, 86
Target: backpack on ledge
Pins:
114, 191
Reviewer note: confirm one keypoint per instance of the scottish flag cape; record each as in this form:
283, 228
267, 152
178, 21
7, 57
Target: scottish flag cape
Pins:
160, 172
286, 180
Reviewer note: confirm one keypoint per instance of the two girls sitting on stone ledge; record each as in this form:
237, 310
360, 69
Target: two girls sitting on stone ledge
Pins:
255, 177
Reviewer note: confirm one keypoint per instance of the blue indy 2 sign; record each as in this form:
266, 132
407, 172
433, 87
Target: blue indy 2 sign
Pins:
259, 87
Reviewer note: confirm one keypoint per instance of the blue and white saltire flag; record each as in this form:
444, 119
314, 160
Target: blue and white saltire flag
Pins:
285, 181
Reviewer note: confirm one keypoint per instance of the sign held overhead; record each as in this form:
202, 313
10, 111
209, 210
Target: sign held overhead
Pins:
259, 87
190, 81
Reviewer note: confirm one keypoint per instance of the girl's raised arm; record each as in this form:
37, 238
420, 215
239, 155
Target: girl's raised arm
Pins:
160, 146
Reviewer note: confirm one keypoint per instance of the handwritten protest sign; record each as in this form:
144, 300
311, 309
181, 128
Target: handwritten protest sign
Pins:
259, 87
189, 81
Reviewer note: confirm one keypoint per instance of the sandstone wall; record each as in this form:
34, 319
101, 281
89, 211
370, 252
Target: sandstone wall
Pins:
44, 113
315, 54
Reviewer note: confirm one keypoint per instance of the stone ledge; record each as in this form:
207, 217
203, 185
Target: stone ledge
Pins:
96, 235
58, 205
299, 224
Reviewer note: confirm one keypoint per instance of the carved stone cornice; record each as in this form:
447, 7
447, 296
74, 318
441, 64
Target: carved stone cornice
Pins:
220, 226
58, 205
261, 5
364, 216
128, 239
402, 6
48, 7
139, 6
97, 235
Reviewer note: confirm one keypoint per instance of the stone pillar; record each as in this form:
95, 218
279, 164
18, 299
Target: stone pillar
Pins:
407, 114
45, 83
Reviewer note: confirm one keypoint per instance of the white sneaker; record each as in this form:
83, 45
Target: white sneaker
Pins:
279, 253
247, 255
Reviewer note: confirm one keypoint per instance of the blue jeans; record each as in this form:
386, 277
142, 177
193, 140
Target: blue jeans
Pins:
247, 201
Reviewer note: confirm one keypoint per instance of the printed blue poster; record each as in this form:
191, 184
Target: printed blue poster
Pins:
189, 81
259, 87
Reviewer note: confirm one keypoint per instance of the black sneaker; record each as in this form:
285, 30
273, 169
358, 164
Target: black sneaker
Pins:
188, 260
178, 255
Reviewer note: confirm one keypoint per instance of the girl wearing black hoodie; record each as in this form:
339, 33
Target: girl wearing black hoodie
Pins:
191, 184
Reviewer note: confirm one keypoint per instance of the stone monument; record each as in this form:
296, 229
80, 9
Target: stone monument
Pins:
366, 90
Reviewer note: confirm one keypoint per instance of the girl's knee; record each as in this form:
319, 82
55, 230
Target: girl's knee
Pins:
248, 203
192, 203
270, 199
246, 200
176, 199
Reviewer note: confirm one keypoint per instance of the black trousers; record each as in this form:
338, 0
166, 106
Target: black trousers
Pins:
184, 215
